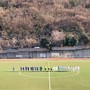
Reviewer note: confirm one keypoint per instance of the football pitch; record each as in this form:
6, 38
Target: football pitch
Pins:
27, 80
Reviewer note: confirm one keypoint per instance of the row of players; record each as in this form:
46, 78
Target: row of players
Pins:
56, 68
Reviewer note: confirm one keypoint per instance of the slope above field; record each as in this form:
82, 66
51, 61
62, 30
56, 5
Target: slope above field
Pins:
23, 23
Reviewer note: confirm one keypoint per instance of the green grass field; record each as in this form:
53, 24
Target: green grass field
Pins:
17, 80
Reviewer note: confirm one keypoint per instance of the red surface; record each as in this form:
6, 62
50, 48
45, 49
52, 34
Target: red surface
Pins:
45, 59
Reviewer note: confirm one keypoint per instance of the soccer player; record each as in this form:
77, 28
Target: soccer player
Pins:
78, 68
71, 68
28, 68
61, 68
56, 68
36, 68
25, 68
65, 68
41, 68
21, 69
13, 68
45, 69
31, 68
53, 68
68, 68
48, 68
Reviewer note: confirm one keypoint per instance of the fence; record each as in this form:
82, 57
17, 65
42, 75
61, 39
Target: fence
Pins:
71, 52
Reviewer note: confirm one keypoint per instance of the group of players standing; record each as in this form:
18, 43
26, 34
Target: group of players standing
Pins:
51, 69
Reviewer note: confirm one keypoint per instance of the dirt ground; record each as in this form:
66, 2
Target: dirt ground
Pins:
44, 59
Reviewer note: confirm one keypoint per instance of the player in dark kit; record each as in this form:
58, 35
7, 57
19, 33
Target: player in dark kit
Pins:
28, 68
13, 68
41, 68
25, 68
21, 68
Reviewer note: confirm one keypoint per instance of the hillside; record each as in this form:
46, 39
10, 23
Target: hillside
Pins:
23, 23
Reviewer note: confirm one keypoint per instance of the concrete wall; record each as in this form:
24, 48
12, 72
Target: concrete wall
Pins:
71, 52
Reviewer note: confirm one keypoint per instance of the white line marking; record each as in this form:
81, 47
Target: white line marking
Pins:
73, 74
21, 74
29, 76
49, 77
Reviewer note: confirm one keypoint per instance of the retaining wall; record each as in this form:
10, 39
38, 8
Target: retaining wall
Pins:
70, 52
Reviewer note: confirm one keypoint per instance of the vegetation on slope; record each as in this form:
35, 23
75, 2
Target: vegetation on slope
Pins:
24, 23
